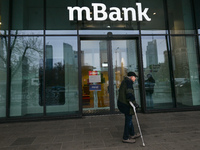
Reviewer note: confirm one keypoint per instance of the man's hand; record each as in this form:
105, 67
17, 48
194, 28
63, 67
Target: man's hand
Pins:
136, 105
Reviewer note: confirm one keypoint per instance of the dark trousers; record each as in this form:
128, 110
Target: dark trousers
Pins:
128, 127
149, 99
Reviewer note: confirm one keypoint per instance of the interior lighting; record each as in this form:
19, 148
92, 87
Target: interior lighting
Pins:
154, 13
105, 64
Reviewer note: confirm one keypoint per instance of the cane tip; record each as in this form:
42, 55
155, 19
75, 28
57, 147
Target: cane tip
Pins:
143, 144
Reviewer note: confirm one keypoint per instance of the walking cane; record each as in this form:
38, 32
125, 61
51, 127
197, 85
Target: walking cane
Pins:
137, 123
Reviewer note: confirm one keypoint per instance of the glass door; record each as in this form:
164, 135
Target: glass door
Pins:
124, 54
94, 60
105, 63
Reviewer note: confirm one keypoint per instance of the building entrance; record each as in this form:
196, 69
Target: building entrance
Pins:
104, 63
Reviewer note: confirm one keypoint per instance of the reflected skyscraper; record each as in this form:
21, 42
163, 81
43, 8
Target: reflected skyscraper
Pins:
49, 57
70, 57
151, 53
132, 56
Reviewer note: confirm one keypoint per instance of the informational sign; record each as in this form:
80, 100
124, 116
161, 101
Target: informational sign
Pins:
94, 76
95, 87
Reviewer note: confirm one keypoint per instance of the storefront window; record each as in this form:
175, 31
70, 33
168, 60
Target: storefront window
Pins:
157, 15
3, 70
4, 13
57, 17
180, 17
108, 25
186, 71
156, 73
26, 58
197, 12
62, 94
27, 17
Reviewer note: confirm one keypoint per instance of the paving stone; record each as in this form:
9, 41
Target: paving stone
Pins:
161, 131
23, 141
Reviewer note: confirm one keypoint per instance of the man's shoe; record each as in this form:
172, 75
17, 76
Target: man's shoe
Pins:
137, 135
128, 141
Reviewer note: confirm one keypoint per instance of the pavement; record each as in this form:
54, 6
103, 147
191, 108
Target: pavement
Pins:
161, 131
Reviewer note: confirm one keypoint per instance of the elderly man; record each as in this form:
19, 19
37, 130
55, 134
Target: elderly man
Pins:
126, 95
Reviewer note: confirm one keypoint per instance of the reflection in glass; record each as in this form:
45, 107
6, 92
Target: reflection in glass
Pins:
180, 14
27, 17
61, 78
156, 73
3, 75
95, 82
186, 72
124, 53
26, 55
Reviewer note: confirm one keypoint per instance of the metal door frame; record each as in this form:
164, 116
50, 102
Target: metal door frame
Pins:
109, 37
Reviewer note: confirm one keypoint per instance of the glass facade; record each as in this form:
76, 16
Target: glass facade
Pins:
57, 23
4, 16
156, 72
186, 73
197, 12
57, 63
26, 58
27, 17
3, 75
103, 27
181, 18
61, 75
157, 25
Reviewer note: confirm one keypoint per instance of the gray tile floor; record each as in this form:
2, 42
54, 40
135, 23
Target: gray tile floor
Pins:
161, 131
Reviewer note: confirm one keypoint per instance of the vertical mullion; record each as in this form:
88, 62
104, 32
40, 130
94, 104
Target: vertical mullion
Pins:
110, 72
141, 73
80, 76
44, 65
197, 39
8, 79
169, 49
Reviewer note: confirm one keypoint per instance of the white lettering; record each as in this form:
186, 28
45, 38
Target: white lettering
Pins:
126, 10
116, 13
101, 11
144, 13
79, 10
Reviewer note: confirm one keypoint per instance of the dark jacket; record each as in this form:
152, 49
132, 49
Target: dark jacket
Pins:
149, 85
126, 94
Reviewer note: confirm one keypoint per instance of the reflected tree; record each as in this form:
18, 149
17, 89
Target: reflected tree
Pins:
21, 48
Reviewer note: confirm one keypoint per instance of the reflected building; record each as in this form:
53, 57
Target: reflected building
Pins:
132, 56
151, 53
49, 57
103, 53
70, 65
180, 57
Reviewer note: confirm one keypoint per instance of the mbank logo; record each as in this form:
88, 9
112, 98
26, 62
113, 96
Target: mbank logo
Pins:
100, 13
